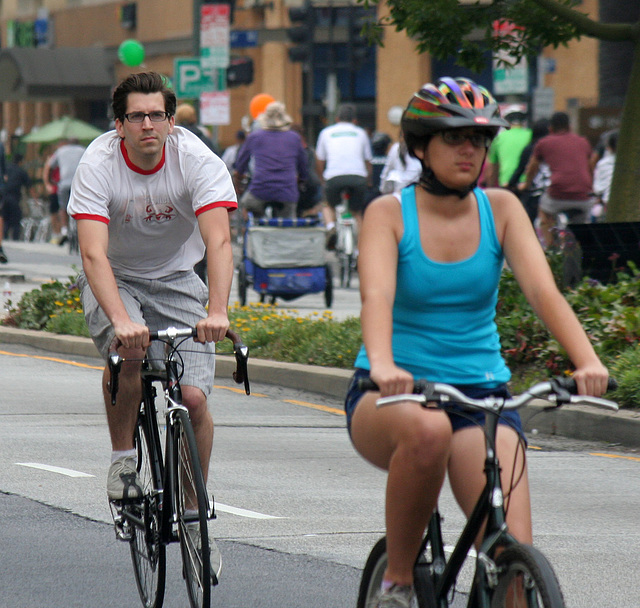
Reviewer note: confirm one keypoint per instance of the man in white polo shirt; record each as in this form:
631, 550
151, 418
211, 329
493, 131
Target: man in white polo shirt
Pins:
343, 154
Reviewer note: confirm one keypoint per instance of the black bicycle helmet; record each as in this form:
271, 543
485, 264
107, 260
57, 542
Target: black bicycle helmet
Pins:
450, 103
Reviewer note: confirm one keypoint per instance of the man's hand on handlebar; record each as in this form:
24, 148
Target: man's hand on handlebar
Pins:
132, 335
212, 328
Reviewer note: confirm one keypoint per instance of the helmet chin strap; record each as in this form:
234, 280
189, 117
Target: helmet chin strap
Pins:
433, 185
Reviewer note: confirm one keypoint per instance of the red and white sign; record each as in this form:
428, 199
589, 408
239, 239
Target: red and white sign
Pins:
214, 35
215, 108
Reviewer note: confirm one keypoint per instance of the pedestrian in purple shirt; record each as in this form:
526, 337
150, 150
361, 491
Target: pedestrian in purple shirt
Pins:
275, 158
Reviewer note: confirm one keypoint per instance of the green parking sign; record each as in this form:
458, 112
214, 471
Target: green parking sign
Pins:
190, 79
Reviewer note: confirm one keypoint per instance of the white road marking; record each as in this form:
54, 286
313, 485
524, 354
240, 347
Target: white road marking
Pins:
244, 512
52, 469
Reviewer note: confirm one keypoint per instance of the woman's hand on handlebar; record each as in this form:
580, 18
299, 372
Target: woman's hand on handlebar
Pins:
591, 379
212, 328
392, 380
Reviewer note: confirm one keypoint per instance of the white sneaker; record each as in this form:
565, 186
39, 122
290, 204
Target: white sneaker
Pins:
395, 597
122, 479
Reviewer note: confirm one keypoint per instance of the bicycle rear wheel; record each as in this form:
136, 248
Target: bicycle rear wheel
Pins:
192, 511
526, 580
148, 553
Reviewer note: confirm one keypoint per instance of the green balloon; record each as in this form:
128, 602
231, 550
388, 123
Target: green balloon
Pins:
131, 53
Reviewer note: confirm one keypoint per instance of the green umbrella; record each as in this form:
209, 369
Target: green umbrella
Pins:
63, 128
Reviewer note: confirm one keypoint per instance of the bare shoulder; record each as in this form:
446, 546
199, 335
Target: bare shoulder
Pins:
385, 205
507, 209
383, 213
503, 201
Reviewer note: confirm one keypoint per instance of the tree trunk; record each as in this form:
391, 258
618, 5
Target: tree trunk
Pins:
624, 201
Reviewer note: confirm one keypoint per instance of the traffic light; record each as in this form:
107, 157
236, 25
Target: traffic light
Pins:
240, 71
302, 32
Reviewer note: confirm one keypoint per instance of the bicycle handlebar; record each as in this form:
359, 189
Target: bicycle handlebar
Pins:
171, 334
558, 391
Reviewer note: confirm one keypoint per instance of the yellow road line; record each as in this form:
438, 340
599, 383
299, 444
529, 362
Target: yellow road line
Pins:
54, 359
315, 406
636, 458
235, 389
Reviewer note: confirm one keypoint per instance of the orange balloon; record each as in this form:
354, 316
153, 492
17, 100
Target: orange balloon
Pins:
259, 103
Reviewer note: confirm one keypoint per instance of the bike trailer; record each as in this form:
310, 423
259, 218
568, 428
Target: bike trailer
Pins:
285, 258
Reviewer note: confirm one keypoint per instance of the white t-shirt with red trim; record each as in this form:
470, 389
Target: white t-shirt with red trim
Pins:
152, 215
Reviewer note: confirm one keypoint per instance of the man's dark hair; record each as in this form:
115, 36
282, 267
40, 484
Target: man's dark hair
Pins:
143, 82
347, 113
559, 121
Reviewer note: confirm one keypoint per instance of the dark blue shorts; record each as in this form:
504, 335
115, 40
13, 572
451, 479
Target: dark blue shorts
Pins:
459, 418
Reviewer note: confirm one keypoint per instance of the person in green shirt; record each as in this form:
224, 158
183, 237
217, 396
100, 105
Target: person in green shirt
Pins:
506, 148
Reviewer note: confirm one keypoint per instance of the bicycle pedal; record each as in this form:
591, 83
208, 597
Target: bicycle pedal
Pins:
121, 526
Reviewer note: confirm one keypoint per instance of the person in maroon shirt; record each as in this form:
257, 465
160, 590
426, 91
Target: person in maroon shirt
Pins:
567, 156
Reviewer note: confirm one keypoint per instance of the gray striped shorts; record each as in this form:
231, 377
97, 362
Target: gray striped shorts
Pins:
177, 300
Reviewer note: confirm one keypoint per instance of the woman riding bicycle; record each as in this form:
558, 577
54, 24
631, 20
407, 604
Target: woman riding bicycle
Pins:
430, 264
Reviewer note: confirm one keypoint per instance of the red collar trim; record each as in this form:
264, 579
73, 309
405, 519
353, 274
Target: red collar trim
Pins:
135, 168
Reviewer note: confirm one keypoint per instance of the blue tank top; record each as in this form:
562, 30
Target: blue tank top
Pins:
444, 313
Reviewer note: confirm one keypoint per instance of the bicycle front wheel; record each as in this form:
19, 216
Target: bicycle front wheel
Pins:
372, 575
526, 580
192, 511
148, 553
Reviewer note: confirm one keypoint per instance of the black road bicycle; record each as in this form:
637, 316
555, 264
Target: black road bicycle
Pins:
507, 573
174, 506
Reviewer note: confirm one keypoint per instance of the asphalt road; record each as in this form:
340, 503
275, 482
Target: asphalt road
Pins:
298, 510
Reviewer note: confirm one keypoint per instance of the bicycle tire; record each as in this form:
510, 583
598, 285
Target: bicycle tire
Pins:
372, 576
148, 552
536, 585
192, 512
328, 288
242, 284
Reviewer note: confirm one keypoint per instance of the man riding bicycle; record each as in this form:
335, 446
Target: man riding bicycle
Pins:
148, 198
344, 156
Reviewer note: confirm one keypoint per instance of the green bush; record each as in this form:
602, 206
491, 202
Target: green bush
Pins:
626, 369
282, 335
68, 323
38, 307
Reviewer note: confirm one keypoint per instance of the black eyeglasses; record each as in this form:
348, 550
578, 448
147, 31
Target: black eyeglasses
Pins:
137, 117
457, 138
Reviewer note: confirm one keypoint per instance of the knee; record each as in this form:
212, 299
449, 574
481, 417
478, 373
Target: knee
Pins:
196, 402
427, 442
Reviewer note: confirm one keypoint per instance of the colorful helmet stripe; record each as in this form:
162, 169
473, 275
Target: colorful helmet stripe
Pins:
459, 99
450, 87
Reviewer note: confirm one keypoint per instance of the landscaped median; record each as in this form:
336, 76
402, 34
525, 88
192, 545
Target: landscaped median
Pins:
609, 313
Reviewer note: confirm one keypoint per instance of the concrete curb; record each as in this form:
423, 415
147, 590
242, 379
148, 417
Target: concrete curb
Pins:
584, 423
328, 381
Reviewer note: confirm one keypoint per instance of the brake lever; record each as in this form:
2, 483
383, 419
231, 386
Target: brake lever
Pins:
241, 352
114, 361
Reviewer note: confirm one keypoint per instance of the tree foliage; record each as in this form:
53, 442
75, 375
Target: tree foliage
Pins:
467, 31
